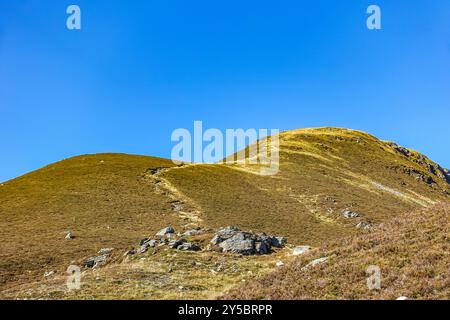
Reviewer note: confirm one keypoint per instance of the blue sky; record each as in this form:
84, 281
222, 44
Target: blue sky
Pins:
140, 69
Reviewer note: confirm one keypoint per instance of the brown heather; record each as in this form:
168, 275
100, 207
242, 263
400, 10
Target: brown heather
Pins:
412, 251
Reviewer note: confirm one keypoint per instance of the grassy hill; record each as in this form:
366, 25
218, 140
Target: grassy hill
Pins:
114, 200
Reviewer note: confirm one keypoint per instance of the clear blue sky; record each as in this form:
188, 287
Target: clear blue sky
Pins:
140, 69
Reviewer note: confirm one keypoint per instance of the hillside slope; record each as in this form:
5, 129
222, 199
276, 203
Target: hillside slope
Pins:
114, 200
412, 252
322, 172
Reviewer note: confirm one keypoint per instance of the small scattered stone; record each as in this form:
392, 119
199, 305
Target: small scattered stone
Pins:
49, 273
279, 263
402, 298
350, 214
129, 253
175, 243
165, 232
69, 236
188, 246
315, 263
142, 249
106, 251
150, 244
300, 250
192, 232
364, 225
95, 261
177, 205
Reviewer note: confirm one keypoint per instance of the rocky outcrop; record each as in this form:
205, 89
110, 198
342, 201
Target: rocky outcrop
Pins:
167, 237
231, 239
428, 165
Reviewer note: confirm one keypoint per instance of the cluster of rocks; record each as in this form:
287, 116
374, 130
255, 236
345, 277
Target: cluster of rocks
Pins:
364, 225
167, 237
228, 239
231, 239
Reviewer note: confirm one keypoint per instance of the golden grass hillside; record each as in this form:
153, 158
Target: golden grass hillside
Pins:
411, 250
322, 172
114, 200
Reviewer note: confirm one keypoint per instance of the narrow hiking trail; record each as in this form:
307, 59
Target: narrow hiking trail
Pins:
188, 211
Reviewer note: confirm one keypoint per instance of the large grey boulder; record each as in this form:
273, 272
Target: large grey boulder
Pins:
224, 234
231, 239
246, 247
240, 243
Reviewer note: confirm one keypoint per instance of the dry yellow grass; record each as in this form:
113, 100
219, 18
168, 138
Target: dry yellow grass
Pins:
113, 200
